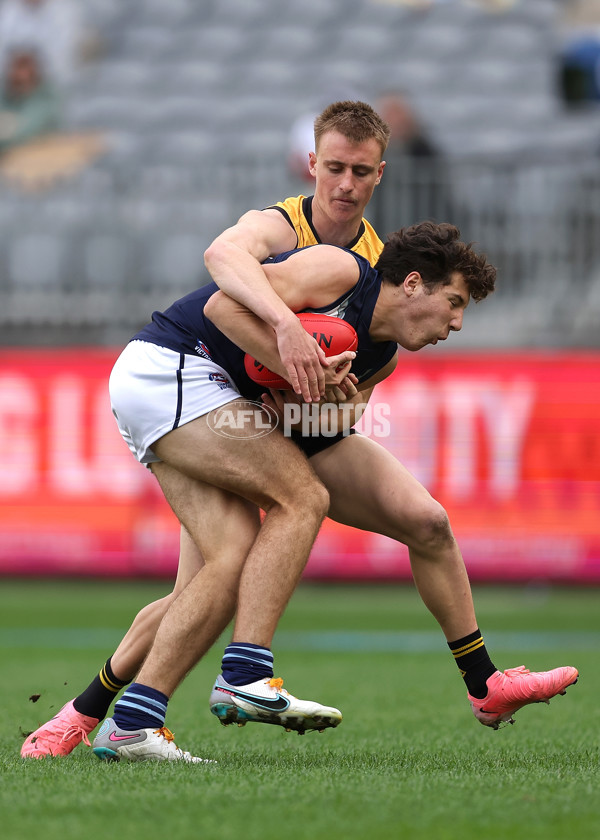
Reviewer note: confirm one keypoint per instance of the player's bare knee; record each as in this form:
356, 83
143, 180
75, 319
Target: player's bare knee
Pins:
307, 498
317, 497
433, 531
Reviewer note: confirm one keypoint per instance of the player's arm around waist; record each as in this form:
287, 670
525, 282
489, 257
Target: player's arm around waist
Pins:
234, 260
246, 330
254, 336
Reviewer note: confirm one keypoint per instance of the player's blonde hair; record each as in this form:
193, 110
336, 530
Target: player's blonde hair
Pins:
356, 121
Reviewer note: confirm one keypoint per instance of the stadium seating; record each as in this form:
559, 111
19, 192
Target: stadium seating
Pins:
196, 99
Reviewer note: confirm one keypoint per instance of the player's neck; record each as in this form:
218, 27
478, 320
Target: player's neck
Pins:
384, 323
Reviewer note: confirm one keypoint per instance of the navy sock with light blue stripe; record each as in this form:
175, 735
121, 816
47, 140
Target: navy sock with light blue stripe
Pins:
141, 707
245, 663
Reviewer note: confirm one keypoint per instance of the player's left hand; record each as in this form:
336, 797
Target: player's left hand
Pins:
342, 392
339, 368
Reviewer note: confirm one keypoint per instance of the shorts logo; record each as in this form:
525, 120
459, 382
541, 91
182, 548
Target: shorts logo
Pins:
220, 379
202, 350
242, 419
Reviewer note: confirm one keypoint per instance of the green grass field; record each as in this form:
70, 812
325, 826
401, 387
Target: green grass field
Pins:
409, 760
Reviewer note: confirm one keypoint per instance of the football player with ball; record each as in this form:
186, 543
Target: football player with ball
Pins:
190, 362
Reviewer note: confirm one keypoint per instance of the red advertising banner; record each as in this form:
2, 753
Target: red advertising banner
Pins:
509, 443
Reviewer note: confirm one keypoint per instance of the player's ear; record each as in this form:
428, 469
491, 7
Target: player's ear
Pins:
411, 282
380, 171
312, 163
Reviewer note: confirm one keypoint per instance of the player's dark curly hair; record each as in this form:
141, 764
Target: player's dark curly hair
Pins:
436, 252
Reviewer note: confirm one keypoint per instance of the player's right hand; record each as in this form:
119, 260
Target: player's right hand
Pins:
304, 361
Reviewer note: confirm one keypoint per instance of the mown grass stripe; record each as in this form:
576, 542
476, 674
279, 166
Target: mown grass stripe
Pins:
326, 641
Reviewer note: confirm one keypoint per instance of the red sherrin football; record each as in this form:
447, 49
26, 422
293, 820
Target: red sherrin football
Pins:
333, 334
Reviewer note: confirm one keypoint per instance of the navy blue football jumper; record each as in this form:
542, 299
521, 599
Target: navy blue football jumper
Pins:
184, 328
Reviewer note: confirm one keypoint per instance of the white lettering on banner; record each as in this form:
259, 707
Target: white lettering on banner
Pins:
66, 421
19, 442
70, 471
83, 440
506, 410
460, 403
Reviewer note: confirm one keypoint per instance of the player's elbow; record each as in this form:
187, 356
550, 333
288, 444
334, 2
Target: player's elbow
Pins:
214, 306
213, 255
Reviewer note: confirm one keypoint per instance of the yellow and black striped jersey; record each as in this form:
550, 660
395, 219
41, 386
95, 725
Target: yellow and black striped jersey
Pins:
298, 212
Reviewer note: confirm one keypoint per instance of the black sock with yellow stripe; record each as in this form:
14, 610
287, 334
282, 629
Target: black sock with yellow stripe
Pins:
96, 699
473, 663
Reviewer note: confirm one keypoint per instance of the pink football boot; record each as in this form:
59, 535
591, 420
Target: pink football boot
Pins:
517, 687
60, 735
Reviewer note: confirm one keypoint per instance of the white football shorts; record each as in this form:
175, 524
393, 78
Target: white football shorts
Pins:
153, 390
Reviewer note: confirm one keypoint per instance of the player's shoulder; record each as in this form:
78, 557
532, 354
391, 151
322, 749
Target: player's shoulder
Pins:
266, 232
258, 218
369, 245
289, 209
291, 204
341, 264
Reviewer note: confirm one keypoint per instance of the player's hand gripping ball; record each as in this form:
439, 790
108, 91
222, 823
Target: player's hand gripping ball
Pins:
333, 335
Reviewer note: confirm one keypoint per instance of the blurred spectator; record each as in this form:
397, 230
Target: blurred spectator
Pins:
579, 59
580, 14
580, 69
413, 187
29, 103
408, 136
53, 27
